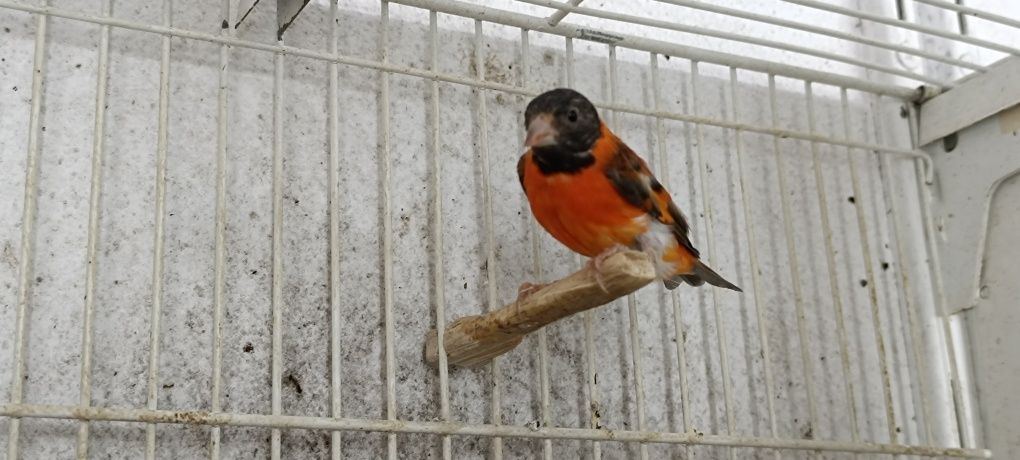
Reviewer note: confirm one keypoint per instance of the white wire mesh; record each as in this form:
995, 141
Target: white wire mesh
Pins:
284, 221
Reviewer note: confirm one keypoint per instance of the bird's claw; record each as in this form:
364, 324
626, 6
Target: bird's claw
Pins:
596, 264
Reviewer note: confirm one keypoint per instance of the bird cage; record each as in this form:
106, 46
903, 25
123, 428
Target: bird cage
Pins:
229, 229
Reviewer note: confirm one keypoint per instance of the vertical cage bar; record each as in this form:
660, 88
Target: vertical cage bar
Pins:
830, 261
612, 86
27, 228
908, 305
538, 273
155, 319
969, 417
639, 386
890, 412
855, 184
277, 362
95, 197
632, 316
681, 351
635, 344
333, 179
221, 225
490, 239
543, 350
961, 402
594, 405
961, 20
437, 219
387, 224
966, 426
966, 438
913, 340
702, 164
752, 249
569, 50
798, 294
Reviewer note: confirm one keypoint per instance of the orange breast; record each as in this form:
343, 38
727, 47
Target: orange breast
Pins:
581, 210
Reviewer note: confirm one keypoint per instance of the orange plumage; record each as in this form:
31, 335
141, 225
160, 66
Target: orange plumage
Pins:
585, 212
604, 196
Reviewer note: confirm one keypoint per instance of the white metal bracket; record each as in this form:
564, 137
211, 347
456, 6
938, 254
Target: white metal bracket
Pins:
978, 123
971, 100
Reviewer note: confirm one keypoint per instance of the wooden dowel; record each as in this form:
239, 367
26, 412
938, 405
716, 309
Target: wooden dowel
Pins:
475, 340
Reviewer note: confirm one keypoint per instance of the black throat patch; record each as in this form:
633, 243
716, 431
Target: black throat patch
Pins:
552, 160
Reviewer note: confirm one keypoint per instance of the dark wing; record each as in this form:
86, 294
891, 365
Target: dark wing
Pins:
635, 183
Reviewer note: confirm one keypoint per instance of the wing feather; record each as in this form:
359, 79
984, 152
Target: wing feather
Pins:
631, 177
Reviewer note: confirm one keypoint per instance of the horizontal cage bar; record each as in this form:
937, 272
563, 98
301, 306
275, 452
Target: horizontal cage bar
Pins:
460, 429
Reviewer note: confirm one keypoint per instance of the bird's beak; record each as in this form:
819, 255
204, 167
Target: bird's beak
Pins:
540, 132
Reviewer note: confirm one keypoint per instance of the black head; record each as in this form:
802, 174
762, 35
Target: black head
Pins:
561, 123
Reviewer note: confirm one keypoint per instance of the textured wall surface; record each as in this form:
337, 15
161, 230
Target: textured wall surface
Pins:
126, 225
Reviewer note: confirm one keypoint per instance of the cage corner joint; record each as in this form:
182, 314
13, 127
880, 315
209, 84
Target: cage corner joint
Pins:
475, 340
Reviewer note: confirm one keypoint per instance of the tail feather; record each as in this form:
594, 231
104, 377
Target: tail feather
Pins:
698, 276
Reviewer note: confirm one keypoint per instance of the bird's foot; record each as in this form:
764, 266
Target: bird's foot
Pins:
596, 263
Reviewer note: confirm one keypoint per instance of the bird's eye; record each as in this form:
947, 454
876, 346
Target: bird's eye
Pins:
572, 115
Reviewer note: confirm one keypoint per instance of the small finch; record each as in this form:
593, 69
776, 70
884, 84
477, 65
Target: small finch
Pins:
596, 196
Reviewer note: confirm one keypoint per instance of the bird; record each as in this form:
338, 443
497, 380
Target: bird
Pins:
595, 195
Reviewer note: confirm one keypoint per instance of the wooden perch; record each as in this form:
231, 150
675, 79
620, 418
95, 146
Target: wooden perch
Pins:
475, 340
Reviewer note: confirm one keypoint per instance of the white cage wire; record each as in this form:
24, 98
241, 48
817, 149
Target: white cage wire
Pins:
238, 228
